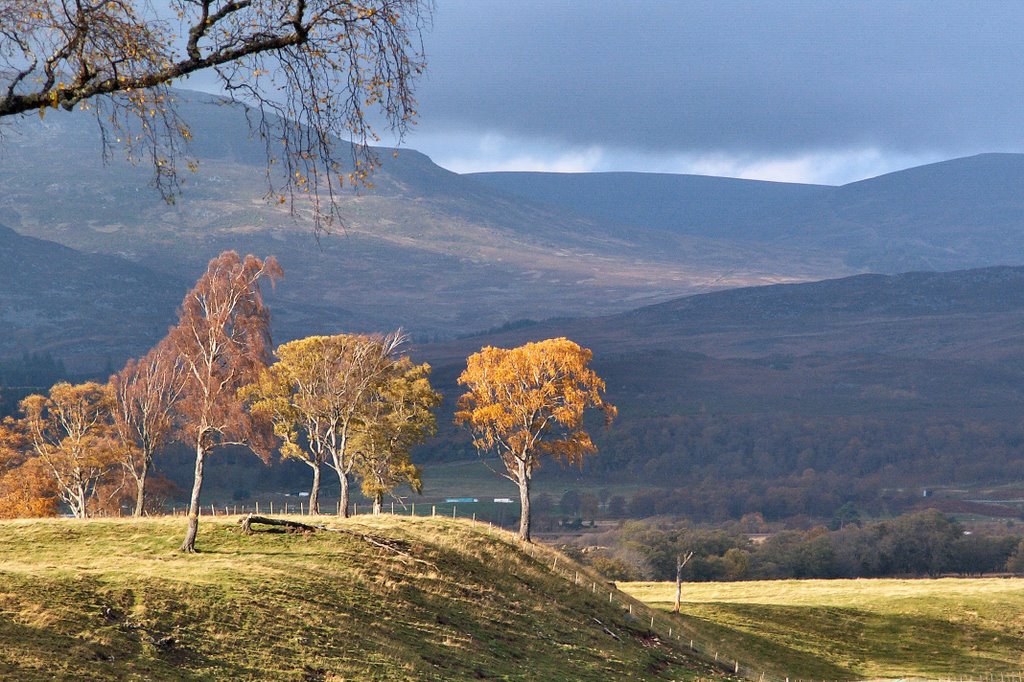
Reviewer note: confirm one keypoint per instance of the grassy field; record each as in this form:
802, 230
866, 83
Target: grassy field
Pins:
856, 629
386, 599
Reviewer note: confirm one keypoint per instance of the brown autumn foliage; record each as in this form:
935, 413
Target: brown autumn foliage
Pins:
313, 69
527, 403
70, 432
222, 341
26, 490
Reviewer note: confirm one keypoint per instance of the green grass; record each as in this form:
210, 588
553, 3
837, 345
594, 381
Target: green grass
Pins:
457, 600
854, 629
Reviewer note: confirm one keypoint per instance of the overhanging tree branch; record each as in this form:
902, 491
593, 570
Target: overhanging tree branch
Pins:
311, 69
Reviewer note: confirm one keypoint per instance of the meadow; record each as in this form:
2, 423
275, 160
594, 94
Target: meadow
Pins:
386, 598
946, 628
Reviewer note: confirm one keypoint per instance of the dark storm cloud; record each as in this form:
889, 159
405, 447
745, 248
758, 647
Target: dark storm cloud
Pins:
764, 78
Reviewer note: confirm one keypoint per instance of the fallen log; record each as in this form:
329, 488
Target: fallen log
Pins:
395, 546
250, 519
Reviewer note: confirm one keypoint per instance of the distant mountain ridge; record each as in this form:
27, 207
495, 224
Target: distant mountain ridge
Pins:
977, 313
961, 213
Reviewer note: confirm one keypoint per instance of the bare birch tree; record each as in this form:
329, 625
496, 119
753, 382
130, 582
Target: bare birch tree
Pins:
222, 340
144, 396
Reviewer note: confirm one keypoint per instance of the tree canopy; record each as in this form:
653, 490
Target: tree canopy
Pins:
314, 71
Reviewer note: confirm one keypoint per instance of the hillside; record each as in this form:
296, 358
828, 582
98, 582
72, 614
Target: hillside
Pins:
425, 249
962, 213
790, 400
428, 599
88, 308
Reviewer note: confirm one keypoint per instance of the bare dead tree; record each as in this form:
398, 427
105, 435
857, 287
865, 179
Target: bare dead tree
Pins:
681, 561
312, 69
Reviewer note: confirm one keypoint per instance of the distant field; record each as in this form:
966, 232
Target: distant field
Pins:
385, 598
855, 629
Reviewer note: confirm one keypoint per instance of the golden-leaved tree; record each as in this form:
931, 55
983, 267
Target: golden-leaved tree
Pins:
528, 403
313, 69
315, 394
71, 432
222, 340
398, 417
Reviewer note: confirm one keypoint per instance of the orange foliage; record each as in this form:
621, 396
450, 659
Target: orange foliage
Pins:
25, 487
528, 402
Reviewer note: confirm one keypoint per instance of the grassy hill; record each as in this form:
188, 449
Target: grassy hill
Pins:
386, 599
856, 629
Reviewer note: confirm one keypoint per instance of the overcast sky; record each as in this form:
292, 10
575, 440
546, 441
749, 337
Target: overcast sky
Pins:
809, 91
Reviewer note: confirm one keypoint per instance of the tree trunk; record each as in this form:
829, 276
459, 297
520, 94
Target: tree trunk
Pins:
314, 492
524, 502
378, 503
189, 545
140, 484
343, 507
78, 508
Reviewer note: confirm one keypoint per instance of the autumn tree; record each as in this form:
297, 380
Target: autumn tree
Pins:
144, 396
313, 70
71, 433
222, 340
317, 391
399, 416
528, 403
26, 490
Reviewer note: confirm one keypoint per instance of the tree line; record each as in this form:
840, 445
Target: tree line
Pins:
925, 543
353, 403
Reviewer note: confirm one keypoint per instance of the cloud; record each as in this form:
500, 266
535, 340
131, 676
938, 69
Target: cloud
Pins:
772, 88
470, 153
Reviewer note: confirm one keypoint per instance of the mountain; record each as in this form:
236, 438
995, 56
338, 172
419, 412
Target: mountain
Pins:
426, 249
962, 213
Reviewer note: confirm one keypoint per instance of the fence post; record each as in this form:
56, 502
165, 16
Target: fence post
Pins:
301, 512
271, 507
257, 507
433, 510
453, 511
413, 513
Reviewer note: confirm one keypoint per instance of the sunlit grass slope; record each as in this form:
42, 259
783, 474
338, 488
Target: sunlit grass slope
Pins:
425, 599
854, 629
